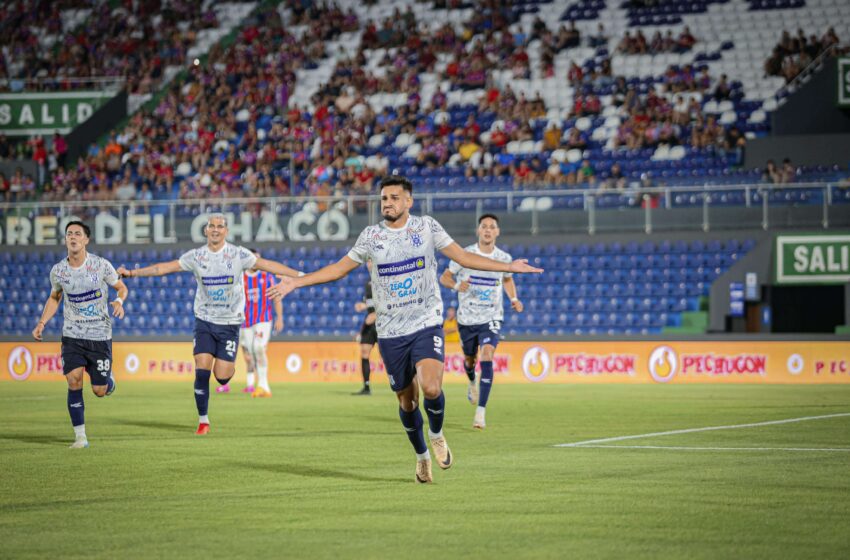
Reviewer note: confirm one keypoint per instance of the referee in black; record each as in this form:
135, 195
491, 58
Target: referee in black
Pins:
368, 336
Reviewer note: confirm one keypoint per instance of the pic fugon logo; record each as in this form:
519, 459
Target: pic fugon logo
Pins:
535, 364
20, 363
293, 363
663, 364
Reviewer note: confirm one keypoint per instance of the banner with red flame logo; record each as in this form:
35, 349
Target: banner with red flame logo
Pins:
515, 362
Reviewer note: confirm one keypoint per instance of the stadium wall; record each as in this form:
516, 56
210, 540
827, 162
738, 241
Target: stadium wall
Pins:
813, 108
801, 149
102, 121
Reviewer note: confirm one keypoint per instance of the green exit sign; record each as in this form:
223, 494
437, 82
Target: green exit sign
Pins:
813, 259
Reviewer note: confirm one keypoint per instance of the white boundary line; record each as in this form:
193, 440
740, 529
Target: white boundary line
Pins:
679, 448
706, 429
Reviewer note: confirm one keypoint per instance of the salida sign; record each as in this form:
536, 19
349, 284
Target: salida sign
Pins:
26, 114
107, 229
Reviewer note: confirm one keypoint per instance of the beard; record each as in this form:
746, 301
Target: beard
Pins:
388, 216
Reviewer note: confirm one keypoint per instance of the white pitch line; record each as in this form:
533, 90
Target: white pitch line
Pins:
706, 429
679, 448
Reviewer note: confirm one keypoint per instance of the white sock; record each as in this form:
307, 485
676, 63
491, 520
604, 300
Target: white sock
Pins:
480, 410
263, 375
249, 379
203, 419
80, 431
423, 456
432, 435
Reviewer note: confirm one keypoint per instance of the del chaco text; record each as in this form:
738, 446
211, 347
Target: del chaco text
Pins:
108, 229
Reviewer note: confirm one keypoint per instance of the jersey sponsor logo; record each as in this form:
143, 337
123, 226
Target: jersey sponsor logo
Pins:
482, 281
85, 296
402, 267
403, 288
218, 280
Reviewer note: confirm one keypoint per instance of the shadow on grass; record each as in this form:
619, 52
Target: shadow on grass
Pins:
153, 425
316, 472
35, 438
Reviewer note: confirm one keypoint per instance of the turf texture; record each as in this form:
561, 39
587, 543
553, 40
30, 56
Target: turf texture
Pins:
317, 473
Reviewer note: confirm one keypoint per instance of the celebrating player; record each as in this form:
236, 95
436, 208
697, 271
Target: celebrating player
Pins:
408, 307
87, 331
368, 336
257, 329
218, 267
480, 311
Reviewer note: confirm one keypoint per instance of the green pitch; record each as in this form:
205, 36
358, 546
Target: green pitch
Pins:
317, 473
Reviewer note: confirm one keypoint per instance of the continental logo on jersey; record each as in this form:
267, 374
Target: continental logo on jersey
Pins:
482, 281
218, 280
85, 296
403, 267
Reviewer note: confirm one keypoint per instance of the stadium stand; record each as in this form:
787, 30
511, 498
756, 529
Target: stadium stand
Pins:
459, 98
63, 45
614, 288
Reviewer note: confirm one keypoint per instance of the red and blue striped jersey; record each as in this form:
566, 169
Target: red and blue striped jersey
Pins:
258, 306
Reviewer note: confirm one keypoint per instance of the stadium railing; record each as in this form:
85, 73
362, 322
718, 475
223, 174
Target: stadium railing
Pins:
821, 205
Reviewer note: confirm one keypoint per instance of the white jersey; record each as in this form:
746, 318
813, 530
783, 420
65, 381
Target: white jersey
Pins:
86, 309
219, 298
404, 274
482, 302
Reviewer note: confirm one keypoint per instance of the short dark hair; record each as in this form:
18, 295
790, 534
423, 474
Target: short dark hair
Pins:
485, 216
86, 228
397, 181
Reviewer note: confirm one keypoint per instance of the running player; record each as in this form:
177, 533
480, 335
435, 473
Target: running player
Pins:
218, 267
480, 311
408, 307
257, 330
87, 331
368, 336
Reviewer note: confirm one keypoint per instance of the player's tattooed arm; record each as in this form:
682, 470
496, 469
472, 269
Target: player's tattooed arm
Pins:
325, 274
158, 269
275, 268
118, 303
470, 260
448, 280
50, 308
510, 289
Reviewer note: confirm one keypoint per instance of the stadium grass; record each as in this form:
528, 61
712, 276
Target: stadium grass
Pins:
317, 473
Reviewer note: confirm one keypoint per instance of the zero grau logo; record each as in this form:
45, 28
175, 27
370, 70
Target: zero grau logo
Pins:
20, 363
536, 364
663, 363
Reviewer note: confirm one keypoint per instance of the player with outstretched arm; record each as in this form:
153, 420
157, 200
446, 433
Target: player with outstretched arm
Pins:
218, 267
409, 308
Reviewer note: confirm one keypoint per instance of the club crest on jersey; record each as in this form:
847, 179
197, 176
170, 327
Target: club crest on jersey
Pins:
415, 238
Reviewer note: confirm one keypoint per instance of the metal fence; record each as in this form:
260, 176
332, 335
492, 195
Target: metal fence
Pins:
706, 208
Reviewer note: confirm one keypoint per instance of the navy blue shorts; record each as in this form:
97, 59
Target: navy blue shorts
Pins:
94, 355
472, 337
221, 341
401, 353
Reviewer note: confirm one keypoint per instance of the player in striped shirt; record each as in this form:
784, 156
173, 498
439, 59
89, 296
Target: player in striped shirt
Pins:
257, 329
